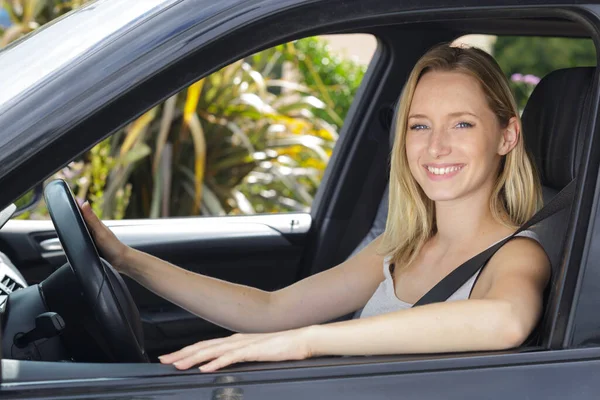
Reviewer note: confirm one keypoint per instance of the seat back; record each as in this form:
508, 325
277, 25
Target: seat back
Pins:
553, 129
554, 122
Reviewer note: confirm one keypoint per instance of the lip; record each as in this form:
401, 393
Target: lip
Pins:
443, 177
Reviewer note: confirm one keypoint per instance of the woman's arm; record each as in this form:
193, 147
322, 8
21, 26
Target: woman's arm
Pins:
240, 308
505, 308
503, 311
317, 299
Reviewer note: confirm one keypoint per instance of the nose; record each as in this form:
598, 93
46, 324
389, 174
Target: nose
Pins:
438, 143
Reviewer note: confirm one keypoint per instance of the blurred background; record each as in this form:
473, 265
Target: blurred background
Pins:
256, 136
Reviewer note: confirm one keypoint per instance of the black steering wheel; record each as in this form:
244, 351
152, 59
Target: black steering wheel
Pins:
102, 287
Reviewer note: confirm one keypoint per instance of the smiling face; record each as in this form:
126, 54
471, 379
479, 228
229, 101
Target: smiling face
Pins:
454, 141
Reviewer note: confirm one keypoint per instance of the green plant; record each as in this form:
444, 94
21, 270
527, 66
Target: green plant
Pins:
230, 145
334, 78
253, 137
538, 56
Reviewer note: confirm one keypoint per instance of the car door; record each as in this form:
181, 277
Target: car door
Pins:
260, 251
267, 251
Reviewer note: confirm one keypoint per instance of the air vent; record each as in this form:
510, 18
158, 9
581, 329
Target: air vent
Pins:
7, 286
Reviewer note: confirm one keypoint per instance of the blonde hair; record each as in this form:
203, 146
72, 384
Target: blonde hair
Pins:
516, 195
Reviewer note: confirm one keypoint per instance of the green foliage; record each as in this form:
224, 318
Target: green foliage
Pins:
322, 68
538, 56
254, 137
260, 145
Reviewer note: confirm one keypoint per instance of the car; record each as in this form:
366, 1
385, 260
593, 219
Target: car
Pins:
65, 88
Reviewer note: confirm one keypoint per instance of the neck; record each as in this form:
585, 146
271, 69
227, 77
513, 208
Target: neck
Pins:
464, 220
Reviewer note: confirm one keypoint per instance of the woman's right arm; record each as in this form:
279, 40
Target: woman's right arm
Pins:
316, 299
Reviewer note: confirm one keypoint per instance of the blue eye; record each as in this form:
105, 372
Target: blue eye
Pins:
464, 125
418, 127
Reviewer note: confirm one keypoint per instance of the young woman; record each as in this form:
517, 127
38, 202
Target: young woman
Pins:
460, 181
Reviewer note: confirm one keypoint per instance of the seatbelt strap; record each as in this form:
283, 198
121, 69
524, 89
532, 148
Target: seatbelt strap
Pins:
455, 279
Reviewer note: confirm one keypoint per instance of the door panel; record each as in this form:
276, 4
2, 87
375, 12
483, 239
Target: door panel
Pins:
261, 251
567, 374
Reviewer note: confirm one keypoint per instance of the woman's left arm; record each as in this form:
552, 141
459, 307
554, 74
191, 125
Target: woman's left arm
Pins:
503, 310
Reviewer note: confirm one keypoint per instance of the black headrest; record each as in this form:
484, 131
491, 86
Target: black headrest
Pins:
552, 123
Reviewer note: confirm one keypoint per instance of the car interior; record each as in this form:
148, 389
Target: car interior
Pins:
132, 325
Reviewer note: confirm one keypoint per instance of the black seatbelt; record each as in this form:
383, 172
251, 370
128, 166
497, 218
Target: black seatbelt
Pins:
455, 279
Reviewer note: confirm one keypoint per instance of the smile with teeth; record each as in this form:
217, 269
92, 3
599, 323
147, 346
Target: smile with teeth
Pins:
443, 171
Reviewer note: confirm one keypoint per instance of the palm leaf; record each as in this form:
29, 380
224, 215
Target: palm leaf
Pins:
138, 128
310, 142
256, 102
288, 85
211, 202
192, 122
191, 101
243, 204
32, 9
161, 189
241, 136
301, 103
200, 158
165, 126
319, 83
270, 64
12, 33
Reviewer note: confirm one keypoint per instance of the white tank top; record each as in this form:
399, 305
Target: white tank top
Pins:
384, 300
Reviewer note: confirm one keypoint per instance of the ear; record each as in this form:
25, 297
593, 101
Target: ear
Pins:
510, 137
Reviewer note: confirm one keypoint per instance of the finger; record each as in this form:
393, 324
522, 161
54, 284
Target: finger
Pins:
90, 217
189, 350
246, 353
87, 209
99, 231
207, 355
182, 357
227, 359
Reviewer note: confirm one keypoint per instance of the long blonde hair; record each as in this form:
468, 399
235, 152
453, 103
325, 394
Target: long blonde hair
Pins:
516, 195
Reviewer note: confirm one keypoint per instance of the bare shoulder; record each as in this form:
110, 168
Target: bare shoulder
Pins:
522, 254
522, 260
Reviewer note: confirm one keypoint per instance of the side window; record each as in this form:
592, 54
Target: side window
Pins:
527, 59
252, 138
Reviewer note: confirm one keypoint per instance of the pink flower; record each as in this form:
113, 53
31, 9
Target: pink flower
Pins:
531, 79
528, 79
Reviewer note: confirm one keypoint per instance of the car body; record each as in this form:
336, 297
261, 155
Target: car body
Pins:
92, 82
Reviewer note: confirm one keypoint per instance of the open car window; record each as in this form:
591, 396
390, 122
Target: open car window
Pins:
252, 138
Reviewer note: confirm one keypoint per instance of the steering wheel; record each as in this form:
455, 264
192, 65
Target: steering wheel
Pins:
102, 287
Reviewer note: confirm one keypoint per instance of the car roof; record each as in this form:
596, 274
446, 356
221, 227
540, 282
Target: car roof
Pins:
55, 46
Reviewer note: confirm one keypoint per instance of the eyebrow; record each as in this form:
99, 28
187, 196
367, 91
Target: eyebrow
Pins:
454, 114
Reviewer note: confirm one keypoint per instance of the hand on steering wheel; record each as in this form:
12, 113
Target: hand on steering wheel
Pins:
112, 249
102, 287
